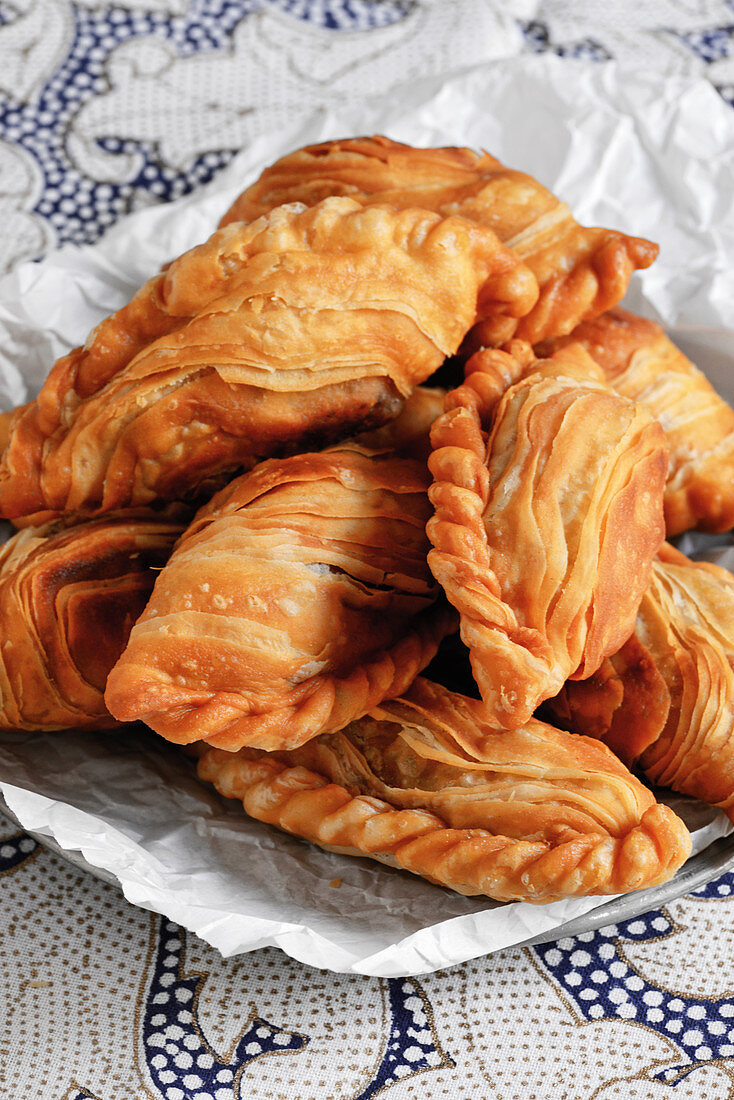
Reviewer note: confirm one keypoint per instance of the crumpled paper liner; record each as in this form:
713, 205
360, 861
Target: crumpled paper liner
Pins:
632, 151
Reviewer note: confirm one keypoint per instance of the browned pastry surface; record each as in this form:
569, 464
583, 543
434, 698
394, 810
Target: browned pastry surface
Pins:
665, 702
581, 271
303, 327
5, 421
410, 432
548, 499
298, 599
641, 362
69, 596
425, 784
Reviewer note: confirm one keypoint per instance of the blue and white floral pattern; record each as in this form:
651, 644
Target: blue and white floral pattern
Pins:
595, 972
119, 105
180, 1061
16, 850
114, 106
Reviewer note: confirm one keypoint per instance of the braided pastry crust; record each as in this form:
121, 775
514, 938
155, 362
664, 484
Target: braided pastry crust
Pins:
424, 784
580, 271
298, 599
546, 527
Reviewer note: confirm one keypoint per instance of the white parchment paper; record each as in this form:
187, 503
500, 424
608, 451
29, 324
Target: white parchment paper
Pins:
650, 156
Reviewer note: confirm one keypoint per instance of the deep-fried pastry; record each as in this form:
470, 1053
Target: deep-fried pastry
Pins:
69, 596
581, 271
304, 327
425, 784
5, 420
545, 530
665, 702
410, 432
298, 599
641, 362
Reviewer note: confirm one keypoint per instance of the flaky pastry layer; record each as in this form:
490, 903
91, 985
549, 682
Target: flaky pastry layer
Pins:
581, 271
665, 702
425, 784
548, 514
298, 599
302, 328
69, 596
641, 363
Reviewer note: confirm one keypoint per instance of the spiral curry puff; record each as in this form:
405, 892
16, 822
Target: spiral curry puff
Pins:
548, 494
581, 271
423, 783
298, 599
304, 327
664, 703
641, 363
69, 596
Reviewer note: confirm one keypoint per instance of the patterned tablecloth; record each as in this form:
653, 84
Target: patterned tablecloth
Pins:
104, 108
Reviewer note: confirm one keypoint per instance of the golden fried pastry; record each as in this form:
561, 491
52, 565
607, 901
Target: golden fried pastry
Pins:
665, 702
581, 272
641, 362
410, 432
546, 528
301, 328
5, 421
68, 599
299, 598
425, 784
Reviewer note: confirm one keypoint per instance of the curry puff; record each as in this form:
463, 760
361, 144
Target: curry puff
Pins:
548, 498
581, 271
664, 703
641, 362
423, 783
298, 599
69, 596
304, 327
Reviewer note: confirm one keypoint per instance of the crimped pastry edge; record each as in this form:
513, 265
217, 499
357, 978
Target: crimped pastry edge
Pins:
460, 560
323, 704
468, 861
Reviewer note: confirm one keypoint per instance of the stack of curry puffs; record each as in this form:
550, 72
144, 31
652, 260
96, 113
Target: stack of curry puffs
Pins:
245, 521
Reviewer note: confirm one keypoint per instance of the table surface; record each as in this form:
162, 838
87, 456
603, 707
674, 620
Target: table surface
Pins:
106, 108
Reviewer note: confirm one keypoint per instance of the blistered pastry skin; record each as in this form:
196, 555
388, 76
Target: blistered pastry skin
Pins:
581, 271
641, 363
665, 702
302, 328
69, 596
298, 599
548, 514
425, 784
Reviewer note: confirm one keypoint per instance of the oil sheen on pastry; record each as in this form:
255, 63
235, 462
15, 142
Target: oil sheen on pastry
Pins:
665, 702
641, 362
302, 328
298, 599
548, 499
581, 271
69, 596
423, 783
